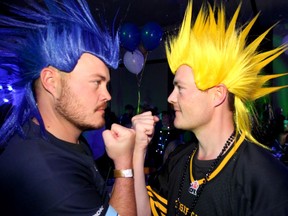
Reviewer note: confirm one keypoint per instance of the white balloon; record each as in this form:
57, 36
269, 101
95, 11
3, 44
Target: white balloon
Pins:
134, 61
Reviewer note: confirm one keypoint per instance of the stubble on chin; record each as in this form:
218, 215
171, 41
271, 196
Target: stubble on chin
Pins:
70, 108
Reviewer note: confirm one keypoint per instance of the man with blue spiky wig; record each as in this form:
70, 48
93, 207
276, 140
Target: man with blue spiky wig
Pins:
57, 59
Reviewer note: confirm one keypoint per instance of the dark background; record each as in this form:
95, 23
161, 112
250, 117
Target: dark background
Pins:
156, 82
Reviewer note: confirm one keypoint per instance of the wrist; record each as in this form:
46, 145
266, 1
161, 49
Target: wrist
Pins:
139, 152
139, 156
123, 173
124, 163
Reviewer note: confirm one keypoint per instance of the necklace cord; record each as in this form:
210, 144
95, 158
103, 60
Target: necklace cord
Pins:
211, 173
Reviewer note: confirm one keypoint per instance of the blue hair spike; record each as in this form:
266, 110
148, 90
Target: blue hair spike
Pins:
56, 33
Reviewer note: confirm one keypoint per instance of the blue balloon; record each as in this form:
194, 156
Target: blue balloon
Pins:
151, 35
130, 36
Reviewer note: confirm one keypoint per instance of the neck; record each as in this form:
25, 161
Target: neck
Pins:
59, 130
211, 146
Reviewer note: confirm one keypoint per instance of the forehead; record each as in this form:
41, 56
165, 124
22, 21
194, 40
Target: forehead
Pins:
90, 65
184, 74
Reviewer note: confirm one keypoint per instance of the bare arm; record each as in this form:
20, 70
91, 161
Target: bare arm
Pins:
119, 142
142, 199
123, 196
143, 125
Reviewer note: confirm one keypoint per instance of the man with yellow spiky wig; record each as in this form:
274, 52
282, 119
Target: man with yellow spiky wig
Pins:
217, 78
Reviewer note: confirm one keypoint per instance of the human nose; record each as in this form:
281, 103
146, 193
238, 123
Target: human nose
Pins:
172, 98
106, 95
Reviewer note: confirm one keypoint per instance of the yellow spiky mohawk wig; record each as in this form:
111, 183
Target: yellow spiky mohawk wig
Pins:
218, 54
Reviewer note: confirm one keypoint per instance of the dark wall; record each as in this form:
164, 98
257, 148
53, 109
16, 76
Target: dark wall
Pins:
153, 87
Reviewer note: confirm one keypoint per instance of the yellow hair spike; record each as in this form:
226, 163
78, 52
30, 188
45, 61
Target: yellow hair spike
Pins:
231, 28
269, 56
255, 44
218, 53
266, 91
245, 32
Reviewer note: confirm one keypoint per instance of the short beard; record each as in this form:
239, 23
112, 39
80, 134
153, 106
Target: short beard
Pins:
69, 107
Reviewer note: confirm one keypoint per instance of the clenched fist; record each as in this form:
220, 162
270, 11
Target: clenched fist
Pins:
119, 143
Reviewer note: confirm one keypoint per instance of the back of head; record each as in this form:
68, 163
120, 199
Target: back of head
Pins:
218, 54
54, 33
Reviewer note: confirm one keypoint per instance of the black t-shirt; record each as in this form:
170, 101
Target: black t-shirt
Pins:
253, 182
49, 177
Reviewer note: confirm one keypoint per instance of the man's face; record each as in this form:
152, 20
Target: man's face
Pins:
84, 95
192, 106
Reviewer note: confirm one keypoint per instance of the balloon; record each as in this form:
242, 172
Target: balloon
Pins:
285, 41
134, 61
130, 36
151, 35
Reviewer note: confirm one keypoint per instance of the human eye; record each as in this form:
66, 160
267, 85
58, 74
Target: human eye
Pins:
180, 88
97, 83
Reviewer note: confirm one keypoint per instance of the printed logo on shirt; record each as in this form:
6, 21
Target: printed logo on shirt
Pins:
184, 209
99, 211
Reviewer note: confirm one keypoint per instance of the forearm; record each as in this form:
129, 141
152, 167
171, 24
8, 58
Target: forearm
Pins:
142, 198
143, 125
123, 197
119, 143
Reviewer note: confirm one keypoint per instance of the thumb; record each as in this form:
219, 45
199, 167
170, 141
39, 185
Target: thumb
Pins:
108, 136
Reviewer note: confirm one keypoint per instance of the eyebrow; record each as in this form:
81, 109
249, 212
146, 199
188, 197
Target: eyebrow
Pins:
175, 82
103, 78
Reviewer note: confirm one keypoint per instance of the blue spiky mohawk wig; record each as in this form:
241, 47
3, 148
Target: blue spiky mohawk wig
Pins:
54, 33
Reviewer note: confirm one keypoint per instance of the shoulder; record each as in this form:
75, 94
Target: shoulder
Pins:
21, 149
182, 150
260, 177
255, 164
256, 156
177, 158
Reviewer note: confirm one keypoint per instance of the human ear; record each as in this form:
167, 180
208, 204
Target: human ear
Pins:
220, 94
49, 77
